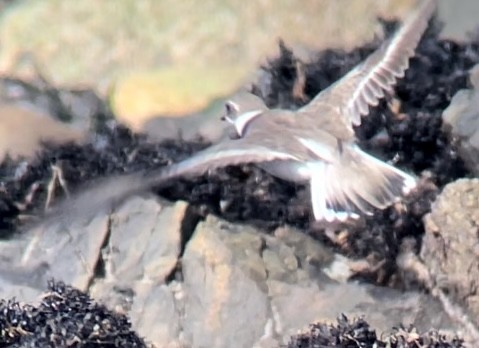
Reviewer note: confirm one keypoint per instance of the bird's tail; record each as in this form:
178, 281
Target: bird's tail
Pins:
356, 184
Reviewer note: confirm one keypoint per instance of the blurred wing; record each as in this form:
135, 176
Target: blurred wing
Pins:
366, 84
227, 153
103, 194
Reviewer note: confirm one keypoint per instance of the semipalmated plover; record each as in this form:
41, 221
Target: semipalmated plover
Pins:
315, 144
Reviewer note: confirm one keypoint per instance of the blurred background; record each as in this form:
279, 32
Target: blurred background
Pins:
165, 67
153, 58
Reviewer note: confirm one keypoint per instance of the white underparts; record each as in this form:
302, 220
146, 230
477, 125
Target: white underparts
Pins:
319, 196
356, 184
292, 170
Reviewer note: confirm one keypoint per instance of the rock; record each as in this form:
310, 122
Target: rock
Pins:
458, 19
144, 241
156, 315
22, 283
67, 315
461, 120
296, 305
68, 252
71, 250
237, 279
450, 244
226, 301
34, 112
80, 108
123, 260
22, 130
141, 252
313, 257
233, 285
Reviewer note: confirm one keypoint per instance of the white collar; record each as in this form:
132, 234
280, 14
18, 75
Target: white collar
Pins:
242, 120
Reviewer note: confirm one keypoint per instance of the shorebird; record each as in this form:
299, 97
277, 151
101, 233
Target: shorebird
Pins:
315, 144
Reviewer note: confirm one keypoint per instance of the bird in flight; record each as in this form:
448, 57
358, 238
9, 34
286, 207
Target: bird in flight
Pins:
315, 144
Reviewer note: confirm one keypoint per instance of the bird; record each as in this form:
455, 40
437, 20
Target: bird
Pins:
315, 144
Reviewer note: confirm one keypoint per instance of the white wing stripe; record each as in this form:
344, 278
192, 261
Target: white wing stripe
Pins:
319, 150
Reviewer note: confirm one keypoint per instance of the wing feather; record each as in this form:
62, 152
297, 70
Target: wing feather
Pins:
234, 152
103, 194
367, 83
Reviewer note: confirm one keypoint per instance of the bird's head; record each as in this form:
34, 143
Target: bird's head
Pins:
240, 110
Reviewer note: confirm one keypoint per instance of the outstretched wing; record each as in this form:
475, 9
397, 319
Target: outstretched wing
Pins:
106, 193
227, 153
367, 83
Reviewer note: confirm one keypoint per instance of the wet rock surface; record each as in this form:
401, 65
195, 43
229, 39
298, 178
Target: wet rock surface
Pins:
230, 267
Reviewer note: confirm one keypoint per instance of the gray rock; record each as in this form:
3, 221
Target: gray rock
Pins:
156, 315
23, 129
141, 252
71, 250
244, 288
226, 304
235, 286
461, 120
144, 242
295, 306
66, 252
121, 259
450, 247
459, 18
